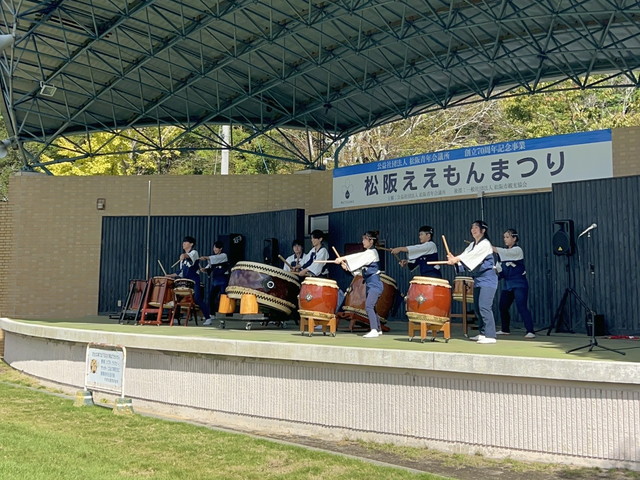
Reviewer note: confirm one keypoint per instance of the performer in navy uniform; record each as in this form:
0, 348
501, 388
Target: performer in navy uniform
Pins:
477, 262
419, 255
514, 283
188, 268
317, 252
367, 264
218, 270
295, 259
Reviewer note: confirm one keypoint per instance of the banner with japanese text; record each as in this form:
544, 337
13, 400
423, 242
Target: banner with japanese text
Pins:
502, 167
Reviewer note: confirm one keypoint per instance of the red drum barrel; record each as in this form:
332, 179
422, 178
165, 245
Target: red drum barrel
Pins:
429, 300
357, 295
273, 287
318, 297
183, 286
156, 286
460, 285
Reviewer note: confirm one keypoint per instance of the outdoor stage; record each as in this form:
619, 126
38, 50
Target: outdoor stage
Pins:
525, 399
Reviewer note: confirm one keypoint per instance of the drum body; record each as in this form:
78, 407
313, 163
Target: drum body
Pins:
429, 300
273, 287
460, 284
356, 297
183, 286
157, 284
318, 297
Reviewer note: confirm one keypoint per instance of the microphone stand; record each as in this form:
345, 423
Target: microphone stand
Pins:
591, 315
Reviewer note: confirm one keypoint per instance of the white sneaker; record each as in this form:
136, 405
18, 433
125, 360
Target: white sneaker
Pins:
530, 335
371, 334
486, 340
379, 333
476, 338
500, 332
208, 322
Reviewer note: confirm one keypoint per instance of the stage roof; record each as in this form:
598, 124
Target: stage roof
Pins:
336, 68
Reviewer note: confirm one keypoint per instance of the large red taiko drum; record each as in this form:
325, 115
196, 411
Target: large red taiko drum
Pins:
318, 297
429, 300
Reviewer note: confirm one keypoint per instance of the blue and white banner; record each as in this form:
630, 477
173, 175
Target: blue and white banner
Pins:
497, 168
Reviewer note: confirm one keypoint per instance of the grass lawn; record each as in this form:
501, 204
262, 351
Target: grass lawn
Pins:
44, 436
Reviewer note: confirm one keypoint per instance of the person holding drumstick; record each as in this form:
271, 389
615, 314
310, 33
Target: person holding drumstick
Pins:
478, 260
188, 268
419, 255
367, 264
317, 252
218, 270
293, 263
514, 285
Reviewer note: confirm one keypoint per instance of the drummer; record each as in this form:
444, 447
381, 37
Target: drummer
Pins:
188, 268
317, 252
218, 271
419, 255
293, 263
477, 260
367, 264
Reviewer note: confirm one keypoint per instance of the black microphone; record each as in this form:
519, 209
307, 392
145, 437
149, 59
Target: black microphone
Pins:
588, 229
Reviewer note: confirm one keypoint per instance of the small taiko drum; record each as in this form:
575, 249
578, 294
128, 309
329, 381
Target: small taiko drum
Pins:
183, 286
356, 297
318, 297
161, 293
273, 287
462, 285
429, 300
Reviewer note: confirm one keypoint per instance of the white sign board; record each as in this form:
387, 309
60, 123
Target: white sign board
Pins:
105, 368
501, 167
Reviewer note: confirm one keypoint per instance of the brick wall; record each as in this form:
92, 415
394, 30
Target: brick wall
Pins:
6, 247
626, 151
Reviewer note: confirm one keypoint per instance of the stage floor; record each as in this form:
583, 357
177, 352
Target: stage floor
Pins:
553, 346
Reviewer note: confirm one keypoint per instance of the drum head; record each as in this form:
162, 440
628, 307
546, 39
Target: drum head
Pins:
441, 282
320, 282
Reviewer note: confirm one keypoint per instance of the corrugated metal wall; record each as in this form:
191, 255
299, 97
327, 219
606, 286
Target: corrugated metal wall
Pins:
124, 244
398, 226
611, 290
604, 270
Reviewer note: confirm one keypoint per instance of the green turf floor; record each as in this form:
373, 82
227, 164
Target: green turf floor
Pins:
543, 346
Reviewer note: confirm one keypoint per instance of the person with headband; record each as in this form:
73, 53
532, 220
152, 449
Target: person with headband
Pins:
367, 264
317, 252
218, 271
515, 285
293, 262
419, 255
477, 260
189, 268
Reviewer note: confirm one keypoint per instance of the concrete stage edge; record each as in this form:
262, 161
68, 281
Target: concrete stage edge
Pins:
568, 411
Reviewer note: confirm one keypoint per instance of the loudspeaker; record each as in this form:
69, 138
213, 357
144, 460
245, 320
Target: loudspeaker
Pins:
234, 247
563, 237
270, 251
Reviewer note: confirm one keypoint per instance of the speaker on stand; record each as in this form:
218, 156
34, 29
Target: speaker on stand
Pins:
563, 238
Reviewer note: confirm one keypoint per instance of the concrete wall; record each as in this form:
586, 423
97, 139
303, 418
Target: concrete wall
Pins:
50, 231
571, 411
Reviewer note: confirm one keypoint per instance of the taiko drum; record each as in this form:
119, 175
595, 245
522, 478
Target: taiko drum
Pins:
157, 285
318, 295
462, 286
356, 297
429, 300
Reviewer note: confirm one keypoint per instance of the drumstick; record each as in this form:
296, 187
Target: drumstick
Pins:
162, 268
323, 261
446, 247
438, 262
337, 254
467, 241
285, 261
388, 250
177, 262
